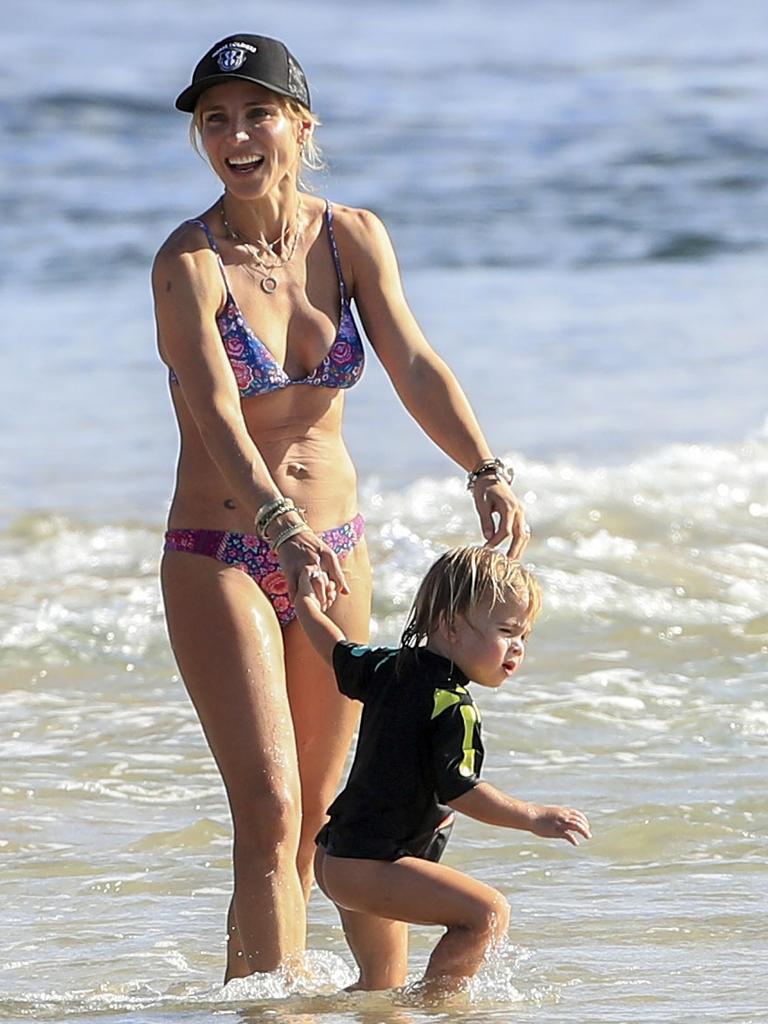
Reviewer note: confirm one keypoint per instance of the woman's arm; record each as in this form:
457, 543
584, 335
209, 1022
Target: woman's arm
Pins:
187, 296
424, 383
488, 804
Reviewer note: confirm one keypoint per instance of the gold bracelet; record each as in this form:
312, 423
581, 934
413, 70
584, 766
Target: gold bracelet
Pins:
288, 532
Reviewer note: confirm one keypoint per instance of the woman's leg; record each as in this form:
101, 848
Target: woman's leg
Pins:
418, 892
229, 650
324, 720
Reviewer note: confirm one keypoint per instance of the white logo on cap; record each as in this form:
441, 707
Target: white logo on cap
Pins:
232, 56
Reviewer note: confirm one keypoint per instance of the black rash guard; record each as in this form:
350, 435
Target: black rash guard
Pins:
419, 746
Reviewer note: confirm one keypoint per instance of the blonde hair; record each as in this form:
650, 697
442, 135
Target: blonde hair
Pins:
311, 154
462, 579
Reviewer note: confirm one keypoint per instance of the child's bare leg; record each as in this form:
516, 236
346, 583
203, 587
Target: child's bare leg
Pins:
379, 945
460, 953
380, 949
420, 892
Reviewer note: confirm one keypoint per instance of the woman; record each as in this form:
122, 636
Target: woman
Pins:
254, 321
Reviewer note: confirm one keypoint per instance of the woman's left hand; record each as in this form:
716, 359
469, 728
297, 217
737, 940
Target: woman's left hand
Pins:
316, 585
501, 515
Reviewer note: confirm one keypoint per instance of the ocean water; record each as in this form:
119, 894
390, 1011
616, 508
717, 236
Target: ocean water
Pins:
577, 193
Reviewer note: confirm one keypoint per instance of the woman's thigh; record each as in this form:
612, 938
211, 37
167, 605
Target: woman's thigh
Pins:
324, 720
228, 646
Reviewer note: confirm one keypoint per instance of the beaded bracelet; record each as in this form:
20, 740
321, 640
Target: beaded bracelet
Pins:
269, 512
488, 467
268, 509
287, 533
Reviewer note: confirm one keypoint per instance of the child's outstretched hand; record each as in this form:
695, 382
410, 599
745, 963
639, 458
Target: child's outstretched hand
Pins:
316, 585
559, 823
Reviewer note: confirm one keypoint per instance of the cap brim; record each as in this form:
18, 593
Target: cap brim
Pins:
187, 100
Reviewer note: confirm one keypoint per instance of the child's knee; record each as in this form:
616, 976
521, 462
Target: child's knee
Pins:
502, 913
490, 917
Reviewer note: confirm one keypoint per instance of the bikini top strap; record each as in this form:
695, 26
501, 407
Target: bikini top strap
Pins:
198, 223
335, 250
206, 231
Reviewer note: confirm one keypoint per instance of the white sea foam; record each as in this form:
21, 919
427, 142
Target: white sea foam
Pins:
669, 538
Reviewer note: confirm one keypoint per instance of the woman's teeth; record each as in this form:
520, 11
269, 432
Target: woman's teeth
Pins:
244, 163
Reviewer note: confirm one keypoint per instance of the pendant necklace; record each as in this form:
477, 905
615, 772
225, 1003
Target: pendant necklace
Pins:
266, 269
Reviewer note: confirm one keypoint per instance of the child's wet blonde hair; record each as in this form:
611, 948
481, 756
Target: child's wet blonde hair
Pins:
462, 579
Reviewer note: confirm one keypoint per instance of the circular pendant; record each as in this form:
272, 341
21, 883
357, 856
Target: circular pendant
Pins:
268, 284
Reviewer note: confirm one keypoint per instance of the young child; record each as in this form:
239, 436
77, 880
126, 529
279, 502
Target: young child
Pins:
418, 749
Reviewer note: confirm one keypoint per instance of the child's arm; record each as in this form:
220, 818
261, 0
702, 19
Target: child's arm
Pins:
315, 593
488, 804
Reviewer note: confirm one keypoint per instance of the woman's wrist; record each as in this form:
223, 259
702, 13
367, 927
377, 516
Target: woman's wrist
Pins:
289, 517
275, 516
284, 526
492, 470
270, 511
288, 533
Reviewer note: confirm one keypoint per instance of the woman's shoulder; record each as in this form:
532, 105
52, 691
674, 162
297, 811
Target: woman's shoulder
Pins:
186, 250
354, 220
187, 237
360, 232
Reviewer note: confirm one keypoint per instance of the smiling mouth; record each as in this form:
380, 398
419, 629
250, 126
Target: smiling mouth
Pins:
244, 164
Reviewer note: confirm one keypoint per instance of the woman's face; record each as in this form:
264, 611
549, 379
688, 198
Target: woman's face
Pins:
251, 141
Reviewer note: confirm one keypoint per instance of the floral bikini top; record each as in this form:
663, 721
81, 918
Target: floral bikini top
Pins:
256, 369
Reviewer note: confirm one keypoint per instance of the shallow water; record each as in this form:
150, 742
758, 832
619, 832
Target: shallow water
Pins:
642, 701
578, 201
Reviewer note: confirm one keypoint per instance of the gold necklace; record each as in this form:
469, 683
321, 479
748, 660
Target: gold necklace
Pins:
268, 280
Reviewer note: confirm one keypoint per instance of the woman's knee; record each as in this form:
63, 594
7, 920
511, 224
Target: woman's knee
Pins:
267, 824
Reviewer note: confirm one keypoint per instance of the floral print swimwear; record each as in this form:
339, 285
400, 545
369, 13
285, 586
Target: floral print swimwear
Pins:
250, 554
255, 368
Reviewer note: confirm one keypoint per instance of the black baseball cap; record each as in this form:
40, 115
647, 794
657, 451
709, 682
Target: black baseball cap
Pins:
256, 59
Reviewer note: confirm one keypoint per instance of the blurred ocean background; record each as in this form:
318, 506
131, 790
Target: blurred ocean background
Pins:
578, 192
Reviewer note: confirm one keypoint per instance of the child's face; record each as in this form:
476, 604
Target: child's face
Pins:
488, 644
